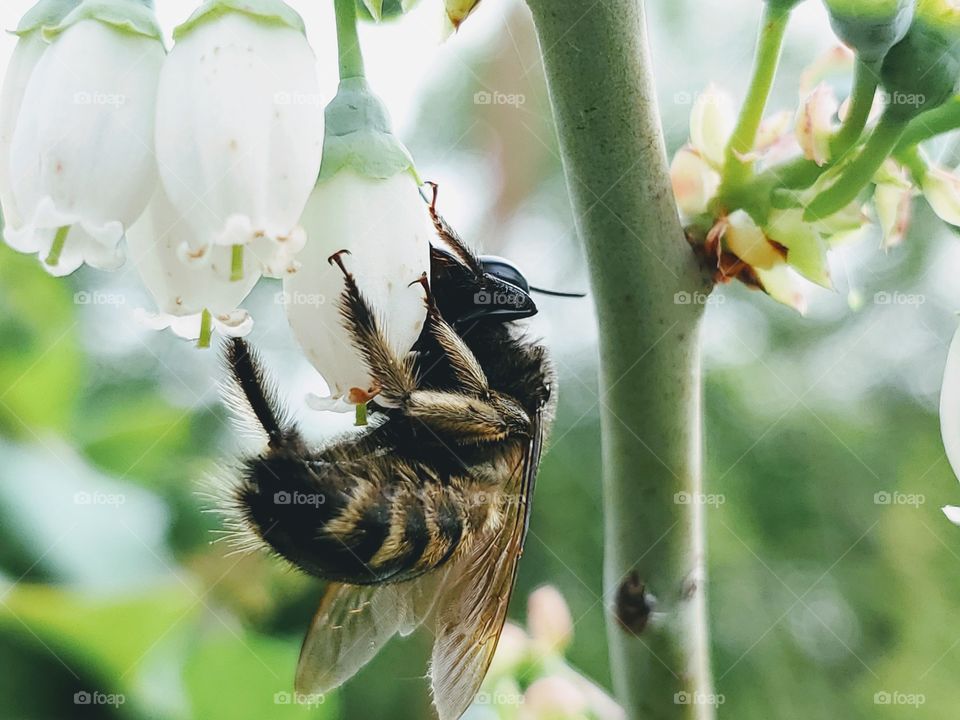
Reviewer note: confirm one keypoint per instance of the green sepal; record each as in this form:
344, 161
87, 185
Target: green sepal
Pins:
806, 250
45, 13
871, 27
272, 12
386, 10
358, 135
129, 16
932, 43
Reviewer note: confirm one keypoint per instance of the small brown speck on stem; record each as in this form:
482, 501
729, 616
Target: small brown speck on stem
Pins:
633, 605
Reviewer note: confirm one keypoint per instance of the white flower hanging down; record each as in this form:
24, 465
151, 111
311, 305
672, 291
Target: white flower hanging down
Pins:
950, 416
367, 202
81, 167
240, 131
192, 300
26, 55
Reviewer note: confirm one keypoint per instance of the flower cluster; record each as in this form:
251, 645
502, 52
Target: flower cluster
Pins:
764, 199
529, 678
211, 165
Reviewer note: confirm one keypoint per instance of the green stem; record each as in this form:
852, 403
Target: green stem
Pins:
864, 91
650, 373
351, 57
236, 263
56, 248
933, 122
206, 329
772, 28
855, 176
361, 415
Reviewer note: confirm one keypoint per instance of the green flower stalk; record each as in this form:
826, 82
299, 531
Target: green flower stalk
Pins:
933, 44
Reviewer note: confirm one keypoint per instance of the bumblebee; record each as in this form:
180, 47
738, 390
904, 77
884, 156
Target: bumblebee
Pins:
421, 518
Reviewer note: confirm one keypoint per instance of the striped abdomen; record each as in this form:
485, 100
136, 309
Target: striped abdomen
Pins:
363, 522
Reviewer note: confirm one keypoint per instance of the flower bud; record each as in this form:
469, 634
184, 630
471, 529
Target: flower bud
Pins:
184, 290
240, 129
694, 182
712, 119
806, 250
870, 27
458, 10
82, 147
549, 620
893, 201
814, 123
933, 44
745, 239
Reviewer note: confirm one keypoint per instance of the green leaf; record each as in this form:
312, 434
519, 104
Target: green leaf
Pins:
273, 12
250, 676
41, 366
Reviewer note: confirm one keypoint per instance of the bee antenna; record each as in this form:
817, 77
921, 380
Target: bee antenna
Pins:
558, 293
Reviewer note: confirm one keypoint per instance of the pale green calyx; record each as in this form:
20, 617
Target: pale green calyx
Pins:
271, 12
359, 135
129, 16
871, 27
45, 13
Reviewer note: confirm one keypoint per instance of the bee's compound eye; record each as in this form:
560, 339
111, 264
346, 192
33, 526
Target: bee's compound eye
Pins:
503, 269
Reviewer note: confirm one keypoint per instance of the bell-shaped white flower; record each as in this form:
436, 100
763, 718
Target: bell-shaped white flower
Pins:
30, 47
385, 226
192, 298
367, 202
950, 416
240, 129
81, 161
941, 188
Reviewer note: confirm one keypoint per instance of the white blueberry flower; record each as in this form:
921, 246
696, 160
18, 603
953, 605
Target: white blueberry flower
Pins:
81, 163
950, 416
384, 225
29, 48
240, 130
192, 299
712, 119
367, 202
694, 182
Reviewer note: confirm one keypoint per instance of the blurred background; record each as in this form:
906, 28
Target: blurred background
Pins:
834, 578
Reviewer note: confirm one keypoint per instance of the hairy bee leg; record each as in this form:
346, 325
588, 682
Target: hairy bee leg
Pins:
464, 363
393, 375
471, 419
257, 390
450, 237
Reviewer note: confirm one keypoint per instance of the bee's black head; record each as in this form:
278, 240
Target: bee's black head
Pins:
491, 288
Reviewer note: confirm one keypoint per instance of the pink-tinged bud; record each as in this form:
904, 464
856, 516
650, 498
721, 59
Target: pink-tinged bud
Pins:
814, 124
838, 60
553, 698
694, 182
893, 202
712, 120
549, 620
784, 285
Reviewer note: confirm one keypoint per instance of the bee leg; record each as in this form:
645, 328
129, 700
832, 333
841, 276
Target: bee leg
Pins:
392, 375
449, 235
464, 363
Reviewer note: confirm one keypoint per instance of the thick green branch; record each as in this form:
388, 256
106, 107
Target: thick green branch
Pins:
649, 297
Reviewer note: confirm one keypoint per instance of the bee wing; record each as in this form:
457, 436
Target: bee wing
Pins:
353, 622
473, 605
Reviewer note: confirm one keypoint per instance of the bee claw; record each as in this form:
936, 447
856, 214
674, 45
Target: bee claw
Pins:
336, 259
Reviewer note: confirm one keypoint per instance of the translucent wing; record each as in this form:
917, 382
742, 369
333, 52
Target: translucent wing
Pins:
472, 606
353, 622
